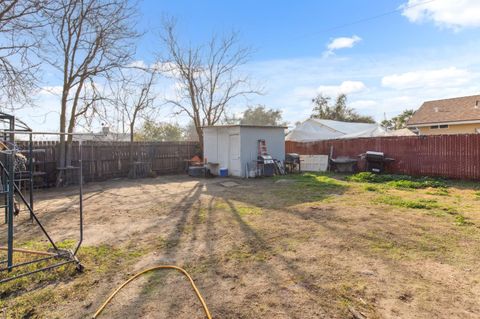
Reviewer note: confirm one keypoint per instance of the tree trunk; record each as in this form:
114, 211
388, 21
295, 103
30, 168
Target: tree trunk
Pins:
131, 164
130, 159
63, 124
62, 146
200, 140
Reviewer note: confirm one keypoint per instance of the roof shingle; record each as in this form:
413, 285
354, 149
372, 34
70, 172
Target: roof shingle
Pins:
458, 109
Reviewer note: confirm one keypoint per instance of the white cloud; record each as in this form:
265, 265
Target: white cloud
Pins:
454, 14
446, 77
346, 87
342, 43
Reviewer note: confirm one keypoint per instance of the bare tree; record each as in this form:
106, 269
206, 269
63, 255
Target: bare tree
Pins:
133, 96
20, 30
90, 40
208, 77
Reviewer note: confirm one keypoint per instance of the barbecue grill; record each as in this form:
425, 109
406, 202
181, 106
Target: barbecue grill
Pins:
267, 165
376, 161
343, 164
292, 162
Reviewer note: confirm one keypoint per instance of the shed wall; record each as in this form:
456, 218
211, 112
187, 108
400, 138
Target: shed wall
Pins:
217, 145
249, 136
217, 148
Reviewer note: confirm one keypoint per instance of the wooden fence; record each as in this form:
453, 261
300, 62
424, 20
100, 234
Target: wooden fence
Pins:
106, 160
450, 156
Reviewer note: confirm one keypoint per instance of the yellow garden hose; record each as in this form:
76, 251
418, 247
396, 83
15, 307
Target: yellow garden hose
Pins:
183, 271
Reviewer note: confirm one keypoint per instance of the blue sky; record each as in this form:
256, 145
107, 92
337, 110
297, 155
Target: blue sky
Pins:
424, 50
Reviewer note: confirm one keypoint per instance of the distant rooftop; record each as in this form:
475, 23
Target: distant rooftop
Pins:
459, 109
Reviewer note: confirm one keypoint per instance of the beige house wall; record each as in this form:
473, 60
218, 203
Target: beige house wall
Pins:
452, 129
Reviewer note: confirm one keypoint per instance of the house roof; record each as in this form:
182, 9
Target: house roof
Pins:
459, 109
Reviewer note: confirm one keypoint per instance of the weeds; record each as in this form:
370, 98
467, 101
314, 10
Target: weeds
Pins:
243, 254
309, 187
406, 203
397, 181
317, 181
371, 188
101, 258
461, 220
238, 208
440, 191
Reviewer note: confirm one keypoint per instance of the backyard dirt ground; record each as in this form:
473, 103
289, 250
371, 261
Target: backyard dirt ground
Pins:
306, 246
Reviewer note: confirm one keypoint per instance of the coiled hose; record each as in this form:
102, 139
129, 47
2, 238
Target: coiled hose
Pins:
183, 271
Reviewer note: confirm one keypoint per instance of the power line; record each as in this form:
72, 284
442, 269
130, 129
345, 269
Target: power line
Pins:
381, 15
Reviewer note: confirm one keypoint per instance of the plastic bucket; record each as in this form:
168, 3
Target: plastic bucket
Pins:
223, 172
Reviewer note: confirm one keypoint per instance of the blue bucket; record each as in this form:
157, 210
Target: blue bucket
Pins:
223, 172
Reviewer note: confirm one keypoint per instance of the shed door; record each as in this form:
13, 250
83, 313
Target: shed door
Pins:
234, 155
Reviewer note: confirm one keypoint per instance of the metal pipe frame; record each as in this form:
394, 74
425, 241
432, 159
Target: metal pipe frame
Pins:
32, 214
38, 270
9, 174
10, 203
28, 263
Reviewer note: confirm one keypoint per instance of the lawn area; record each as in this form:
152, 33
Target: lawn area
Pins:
300, 246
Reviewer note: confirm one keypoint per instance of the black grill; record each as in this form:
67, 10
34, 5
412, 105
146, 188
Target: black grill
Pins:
376, 161
292, 162
267, 165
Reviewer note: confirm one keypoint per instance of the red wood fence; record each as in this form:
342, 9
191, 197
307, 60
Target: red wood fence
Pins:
450, 156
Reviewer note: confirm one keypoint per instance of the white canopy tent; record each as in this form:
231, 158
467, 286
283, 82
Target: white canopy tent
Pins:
317, 130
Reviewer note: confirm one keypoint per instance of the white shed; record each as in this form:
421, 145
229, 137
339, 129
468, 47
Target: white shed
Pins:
236, 146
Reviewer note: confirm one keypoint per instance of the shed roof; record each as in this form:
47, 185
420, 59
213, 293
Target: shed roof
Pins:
459, 109
246, 125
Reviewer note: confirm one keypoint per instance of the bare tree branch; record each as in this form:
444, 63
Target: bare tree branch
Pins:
132, 95
208, 76
21, 26
91, 39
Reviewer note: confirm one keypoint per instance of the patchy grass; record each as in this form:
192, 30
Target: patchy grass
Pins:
407, 203
250, 250
309, 187
318, 181
397, 181
431, 205
372, 188
25, 297
424, 245
239, 208
245, 254
202, 214
440, 191
461, 220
